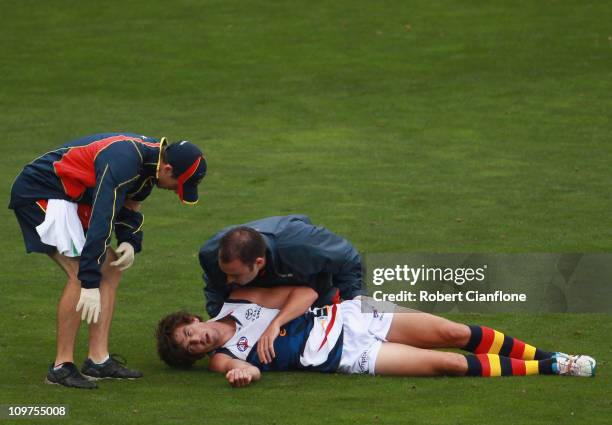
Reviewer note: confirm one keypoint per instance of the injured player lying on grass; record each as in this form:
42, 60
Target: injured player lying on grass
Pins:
250, 336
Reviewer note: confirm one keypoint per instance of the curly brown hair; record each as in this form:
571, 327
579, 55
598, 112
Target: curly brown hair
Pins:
168, 350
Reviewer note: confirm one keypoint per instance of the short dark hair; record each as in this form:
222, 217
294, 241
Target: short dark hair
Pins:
168, 350
242, 243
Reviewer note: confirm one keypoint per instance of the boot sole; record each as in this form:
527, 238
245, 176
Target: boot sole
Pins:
48, 382
94, 378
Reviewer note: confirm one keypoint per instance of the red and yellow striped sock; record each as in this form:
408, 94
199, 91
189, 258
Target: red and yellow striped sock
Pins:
494, 365
486, 340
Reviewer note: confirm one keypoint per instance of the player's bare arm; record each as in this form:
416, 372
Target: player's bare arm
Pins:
237, 372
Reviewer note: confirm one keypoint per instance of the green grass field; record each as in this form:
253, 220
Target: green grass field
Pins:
406, 126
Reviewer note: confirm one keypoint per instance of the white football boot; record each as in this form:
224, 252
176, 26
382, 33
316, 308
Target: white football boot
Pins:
578, 365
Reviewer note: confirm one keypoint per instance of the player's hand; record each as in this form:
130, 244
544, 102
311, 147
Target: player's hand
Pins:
89, 302
265, 345
125, 251
238, 378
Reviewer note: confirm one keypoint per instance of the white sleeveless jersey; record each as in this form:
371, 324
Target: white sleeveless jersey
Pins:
251, 321
311, 341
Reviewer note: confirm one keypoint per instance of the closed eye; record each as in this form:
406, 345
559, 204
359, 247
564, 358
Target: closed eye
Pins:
186, 339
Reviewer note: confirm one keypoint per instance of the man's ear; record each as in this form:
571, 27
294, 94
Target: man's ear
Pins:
260, 262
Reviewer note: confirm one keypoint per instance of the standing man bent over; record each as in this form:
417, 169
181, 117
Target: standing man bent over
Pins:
68, 202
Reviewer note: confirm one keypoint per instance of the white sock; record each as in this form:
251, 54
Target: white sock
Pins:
101, 361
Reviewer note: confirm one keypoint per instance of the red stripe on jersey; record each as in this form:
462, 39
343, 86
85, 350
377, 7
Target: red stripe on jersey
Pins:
488, 335
336, 299
329, 327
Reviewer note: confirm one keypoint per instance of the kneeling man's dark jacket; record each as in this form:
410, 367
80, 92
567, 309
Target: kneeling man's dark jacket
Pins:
298, 253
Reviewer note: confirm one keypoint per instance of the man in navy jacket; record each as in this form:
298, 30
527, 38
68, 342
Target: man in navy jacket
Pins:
286, 250
79, 194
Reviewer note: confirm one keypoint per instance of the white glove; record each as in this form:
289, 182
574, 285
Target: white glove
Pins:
125, 251
90, 303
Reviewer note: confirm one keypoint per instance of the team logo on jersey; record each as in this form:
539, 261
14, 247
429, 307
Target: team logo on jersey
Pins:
282, 332
243, 343
253, 313
363, 362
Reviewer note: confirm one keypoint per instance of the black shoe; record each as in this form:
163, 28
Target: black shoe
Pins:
113, 368
69, 376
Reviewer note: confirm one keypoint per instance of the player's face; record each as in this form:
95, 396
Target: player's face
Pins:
165, 179
240, 273
197, 337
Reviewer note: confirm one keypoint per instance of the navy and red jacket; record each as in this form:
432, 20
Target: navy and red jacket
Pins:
101, 171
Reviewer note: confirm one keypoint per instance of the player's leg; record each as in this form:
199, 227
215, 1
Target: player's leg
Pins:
496, 365
99, 332
63, 371
30, 216
424, 330
100, 364
68, 319
404, 360
484, 340
429, 331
